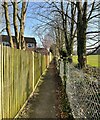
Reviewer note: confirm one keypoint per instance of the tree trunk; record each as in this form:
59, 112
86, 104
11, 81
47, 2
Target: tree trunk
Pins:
68, 40
15, 9
81, 34
8, 28
22, 24
64, 22
71, 40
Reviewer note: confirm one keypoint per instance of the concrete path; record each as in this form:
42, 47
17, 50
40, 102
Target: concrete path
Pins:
43, 103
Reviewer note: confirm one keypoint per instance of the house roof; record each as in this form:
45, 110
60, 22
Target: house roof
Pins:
27, 39
30, 40
42, 50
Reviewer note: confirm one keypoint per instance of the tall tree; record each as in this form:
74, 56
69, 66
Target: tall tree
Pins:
71, 31
22, 25
81, 32
8, 28
15, 22
83, 17
60, 11
19, 30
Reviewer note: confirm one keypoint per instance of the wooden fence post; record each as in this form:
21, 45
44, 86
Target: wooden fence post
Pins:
33, 69
0, 82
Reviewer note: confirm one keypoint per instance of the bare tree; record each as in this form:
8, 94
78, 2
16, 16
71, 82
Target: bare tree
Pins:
61, 12
18, 22
83, 18
22, 24
62, 17
67, 12
8, 28
15, 22
81, 30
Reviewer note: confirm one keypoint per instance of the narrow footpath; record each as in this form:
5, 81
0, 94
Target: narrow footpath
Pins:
44, 102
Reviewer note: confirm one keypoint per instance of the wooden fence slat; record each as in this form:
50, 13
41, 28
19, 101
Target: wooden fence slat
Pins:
0, 82
8, 82
9, 57
19, 74
33, 70
12, 82
4, 84
18, 93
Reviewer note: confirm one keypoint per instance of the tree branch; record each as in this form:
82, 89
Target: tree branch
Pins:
96, 48
92, 8
92, 32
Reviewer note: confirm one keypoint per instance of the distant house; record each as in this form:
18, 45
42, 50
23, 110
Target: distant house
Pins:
43, 51
29, 41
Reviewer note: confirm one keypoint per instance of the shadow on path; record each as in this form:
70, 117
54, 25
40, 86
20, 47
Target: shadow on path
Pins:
43, 102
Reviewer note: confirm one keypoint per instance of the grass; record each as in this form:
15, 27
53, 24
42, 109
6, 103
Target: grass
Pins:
93, 60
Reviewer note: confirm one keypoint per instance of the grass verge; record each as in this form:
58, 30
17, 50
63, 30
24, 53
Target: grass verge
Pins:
93, 60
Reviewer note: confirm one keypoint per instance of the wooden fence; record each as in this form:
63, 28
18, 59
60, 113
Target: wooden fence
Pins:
19, 74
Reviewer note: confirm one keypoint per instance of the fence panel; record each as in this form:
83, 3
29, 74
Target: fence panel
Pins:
37, 71
40, 63
83, 93
17, 78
